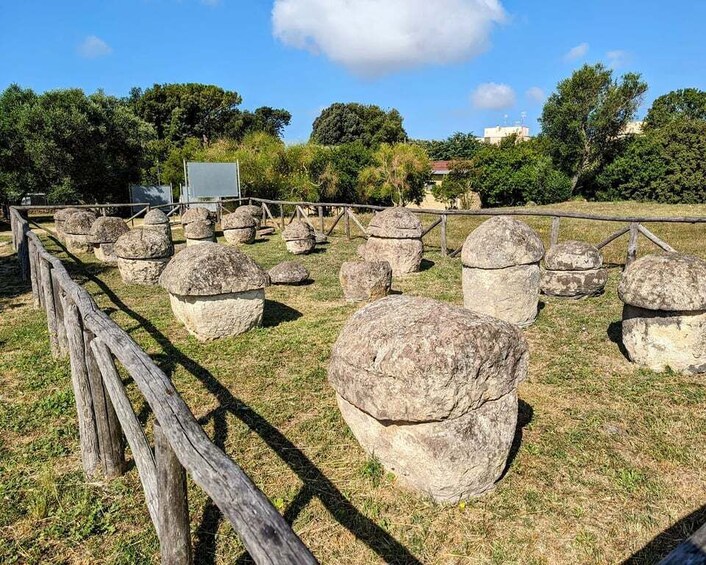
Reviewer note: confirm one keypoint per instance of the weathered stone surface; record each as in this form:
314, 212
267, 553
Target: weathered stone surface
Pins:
155, 217
573, 256
510, 294
59, 219
241, 235
288, 272
107, 229
671, 282
255, 212
143, 244
141, 271
237, 220
430, 389
661, 339
198, 231
403, 255
299, 237
363, 280
212, 269
573, 284
395, 223
416, 359
213, 317
105, 252
79, 223
501, 242
320, 237
194, 214
77, 243
448, 460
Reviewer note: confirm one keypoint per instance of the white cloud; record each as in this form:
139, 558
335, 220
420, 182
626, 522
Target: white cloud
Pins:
372, 38
576, 52
93, 47
617, 58
492, 96
536, 94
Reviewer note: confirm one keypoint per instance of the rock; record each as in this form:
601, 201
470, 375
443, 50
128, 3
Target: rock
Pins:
142, 256
664, 317
255, 212
239, 228
215, 290
77, 227
105, 231
430, 389
199, 231
194, 214
360, 251
60, 217
395, 236
299, 237
501, 270
320, 237
288, 272
157, 221
573, 269
363, 280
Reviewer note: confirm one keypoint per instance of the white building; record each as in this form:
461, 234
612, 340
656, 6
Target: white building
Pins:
495, 135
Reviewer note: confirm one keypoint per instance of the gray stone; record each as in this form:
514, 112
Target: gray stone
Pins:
430, 389
194, 214
239, 228
255, 212
104, 233
573, 284
60, 217
395, 236
142, 256
501, 242
157, 221
573, 256
199, 231
299, 237
363, 280
320, 237
395, 223
141, 271
77, 228
288, 272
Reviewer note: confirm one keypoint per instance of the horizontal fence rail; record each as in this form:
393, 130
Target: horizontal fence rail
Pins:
94, 343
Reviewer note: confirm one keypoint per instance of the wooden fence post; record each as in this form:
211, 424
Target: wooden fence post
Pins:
443, 235
632, 244
58, 307
49, 306
174, 532
90, 454
348, 222
281, 214
110, 437
31, 261
321, 218
554, 237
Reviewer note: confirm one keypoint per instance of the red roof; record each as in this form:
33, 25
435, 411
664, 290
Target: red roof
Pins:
440, 167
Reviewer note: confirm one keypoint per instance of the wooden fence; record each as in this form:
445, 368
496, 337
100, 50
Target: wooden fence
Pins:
93, 343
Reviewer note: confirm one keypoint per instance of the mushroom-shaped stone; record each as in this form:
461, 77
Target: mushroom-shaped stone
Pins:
431, 390
77, 226
288, 272
501, 270
664, 317
365, 280
215, 290
239, 228
105, 231
59, 219
199, 231
255, 212
194, 214
299, 237
157, 221
395, 236
142, 256
573, 269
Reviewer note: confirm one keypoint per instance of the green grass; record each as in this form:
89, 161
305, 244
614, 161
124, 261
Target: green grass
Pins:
611, 454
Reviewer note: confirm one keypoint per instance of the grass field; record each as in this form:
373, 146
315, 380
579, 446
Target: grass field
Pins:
609, 464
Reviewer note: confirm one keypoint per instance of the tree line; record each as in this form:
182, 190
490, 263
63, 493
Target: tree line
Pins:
88, 148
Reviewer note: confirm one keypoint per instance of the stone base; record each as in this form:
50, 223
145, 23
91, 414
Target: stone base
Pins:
301, 246
212, 317
510, 294
77, 243
449, 460
657, 339
142, 271
238, 236
573, 284
404, 255
104, 252
190, 242
362, 281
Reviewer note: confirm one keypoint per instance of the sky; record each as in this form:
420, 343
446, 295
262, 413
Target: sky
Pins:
446, 65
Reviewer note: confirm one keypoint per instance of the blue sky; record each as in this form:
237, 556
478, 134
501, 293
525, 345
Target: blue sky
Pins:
446, 65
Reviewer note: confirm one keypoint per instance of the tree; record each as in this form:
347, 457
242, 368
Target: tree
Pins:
348, 160
664, 165
456, 146
689, 104
457, 185
347, 123
399, 174
584, 118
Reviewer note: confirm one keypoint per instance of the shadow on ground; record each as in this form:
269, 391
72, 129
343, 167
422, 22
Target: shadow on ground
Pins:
316, 483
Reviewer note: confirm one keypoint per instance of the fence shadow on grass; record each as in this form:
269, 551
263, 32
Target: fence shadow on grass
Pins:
315, 482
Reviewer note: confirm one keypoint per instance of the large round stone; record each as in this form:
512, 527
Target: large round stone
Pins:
77, 228
664, 317
573, 256
363, 280
142, 256
199, 231
157, 221
105, 231
395, 236
501, 270
299, 238
288, 272
239, 228
195, 214
573, 284
215, 290
60, 217
430, 389
255, 212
